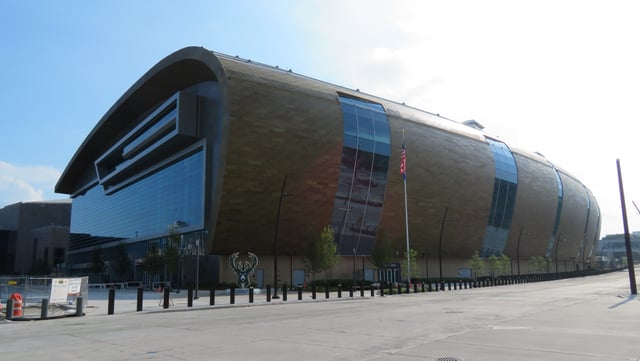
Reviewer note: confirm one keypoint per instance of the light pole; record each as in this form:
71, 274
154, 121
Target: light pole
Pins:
518, 249
275, 242
354, 266
444, 219
195, 297
426, 264
556, 253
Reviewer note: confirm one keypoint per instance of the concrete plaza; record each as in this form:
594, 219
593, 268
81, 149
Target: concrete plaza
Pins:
590, 318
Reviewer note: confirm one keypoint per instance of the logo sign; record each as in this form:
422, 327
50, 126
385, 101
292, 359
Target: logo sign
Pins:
243, 268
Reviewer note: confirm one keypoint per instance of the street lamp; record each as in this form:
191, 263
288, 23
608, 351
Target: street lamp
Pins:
426, 264
354, 266
556, 251
275, 242
444, 219
518, 249
195, 297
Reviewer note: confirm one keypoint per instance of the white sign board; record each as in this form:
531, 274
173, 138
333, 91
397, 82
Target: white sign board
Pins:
74, 286
59, 290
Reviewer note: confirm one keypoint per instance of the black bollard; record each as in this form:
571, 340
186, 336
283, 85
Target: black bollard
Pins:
9, 311
268, 293
429, 287
45, 309
422, 287
339, 290
326, 290
250, 294
232, 295
381, 289
284, 292
313, 291
299, 292
190, 296
139, 298
362, 290
79, 306
111, 301
390, 288
351, 291
449, 285
373, 290
212, 296
165, 300
415, 287
399, 288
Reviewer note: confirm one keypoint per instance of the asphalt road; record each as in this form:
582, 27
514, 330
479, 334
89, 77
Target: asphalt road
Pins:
592, 318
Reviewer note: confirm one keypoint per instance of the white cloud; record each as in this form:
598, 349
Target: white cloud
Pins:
26, 183
558, 78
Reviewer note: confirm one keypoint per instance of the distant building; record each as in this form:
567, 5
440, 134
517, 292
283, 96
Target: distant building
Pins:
204, 142
34, 237
611, 251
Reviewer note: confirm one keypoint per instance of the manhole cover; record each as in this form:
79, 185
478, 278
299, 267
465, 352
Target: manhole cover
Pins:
449, 359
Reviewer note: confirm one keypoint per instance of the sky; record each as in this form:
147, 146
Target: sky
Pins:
558, 77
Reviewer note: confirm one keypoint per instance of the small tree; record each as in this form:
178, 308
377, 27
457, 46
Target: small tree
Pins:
322, 253
477, 264
172, 251
154, 260
122, 263
539, 263
97, 265
494, 265
414, 264
505, 264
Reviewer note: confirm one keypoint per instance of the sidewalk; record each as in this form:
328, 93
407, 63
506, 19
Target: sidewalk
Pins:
580, 319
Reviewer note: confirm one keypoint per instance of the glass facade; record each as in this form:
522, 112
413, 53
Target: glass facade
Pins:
363, 176
173, 194
556, 224
503, 200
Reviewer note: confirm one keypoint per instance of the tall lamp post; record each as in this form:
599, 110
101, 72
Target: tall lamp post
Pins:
275, 242
556, 252
354, 267
518, 249
444, 219
195, 297
426, 264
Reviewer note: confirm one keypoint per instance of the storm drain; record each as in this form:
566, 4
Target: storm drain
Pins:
449, 358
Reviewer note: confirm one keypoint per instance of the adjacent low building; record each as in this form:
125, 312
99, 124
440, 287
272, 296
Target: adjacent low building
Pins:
34, 237
242, 157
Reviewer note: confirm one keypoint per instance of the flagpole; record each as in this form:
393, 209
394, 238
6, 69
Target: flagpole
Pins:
403, 169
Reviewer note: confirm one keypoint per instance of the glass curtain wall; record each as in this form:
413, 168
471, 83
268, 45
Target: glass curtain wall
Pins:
363, 176
503, 200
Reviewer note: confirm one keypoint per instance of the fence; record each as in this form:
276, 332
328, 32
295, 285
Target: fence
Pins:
61, 295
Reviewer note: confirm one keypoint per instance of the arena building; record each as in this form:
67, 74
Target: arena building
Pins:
243, 157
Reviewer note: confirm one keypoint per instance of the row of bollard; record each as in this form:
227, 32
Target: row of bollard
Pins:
400, 288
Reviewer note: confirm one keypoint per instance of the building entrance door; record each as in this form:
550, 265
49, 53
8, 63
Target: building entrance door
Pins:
298, 277
260, 278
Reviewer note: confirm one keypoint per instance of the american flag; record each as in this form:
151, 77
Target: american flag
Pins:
403, 162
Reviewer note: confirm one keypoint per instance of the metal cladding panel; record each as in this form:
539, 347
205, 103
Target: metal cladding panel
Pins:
535, 208
277, 131
574, 218
444, 170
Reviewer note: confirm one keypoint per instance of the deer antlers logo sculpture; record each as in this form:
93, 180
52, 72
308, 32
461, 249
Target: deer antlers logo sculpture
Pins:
243, 268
